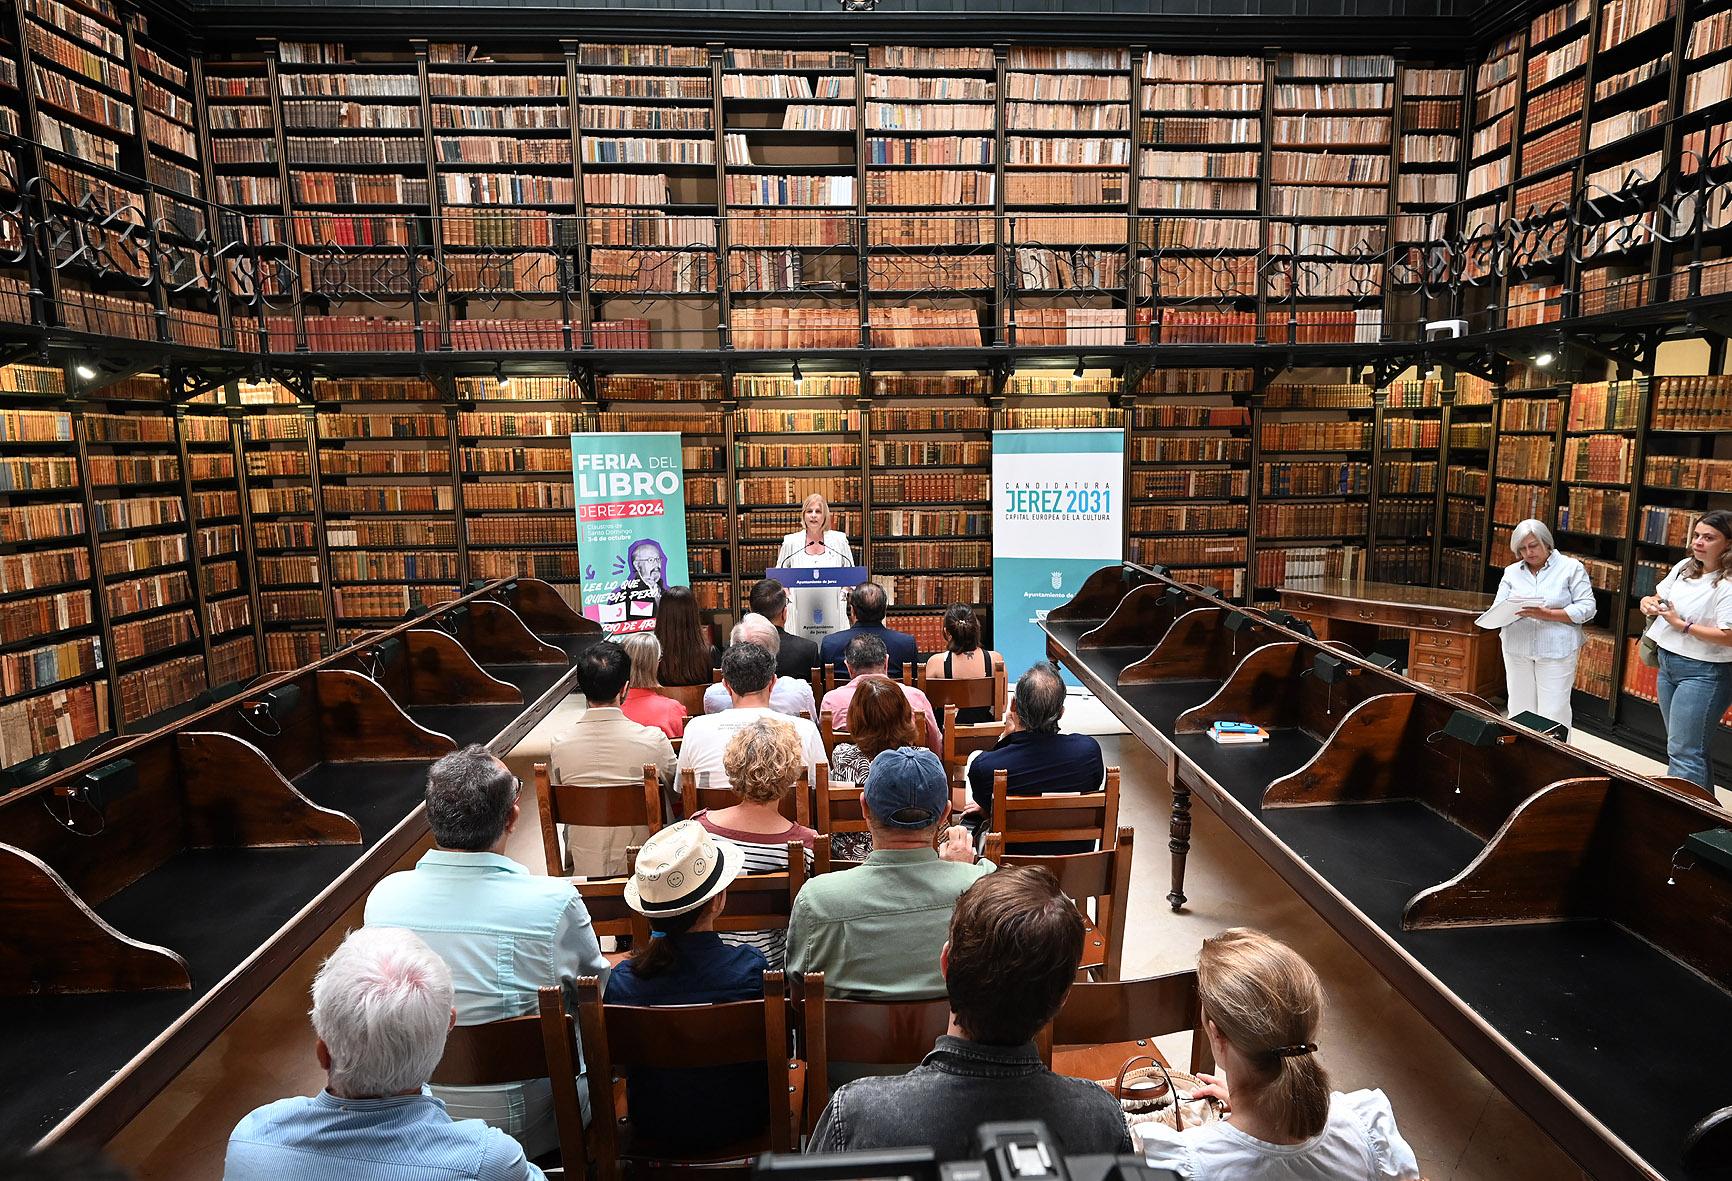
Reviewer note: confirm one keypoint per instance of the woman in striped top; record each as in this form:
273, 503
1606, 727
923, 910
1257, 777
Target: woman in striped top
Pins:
764, 762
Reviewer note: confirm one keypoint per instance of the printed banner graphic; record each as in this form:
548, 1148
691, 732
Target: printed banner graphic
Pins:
1058, 504
631, 524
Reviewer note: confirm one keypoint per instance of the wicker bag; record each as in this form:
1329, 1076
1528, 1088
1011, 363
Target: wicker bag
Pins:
1146, 1094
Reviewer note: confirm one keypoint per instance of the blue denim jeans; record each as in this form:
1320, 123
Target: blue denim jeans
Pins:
1693, 696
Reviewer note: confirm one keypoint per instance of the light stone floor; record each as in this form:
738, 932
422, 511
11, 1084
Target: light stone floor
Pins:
1460, 1127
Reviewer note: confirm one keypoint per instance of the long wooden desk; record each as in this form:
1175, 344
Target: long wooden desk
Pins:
1534, 903
151, 892
1445, 649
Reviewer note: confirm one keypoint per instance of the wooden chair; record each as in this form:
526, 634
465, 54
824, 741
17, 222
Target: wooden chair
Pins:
831, 680
1059, 816
616, 805
830, 735
690, 696
796, 805
604, 898
839, 809
620, 1038
866, 1033
538, 1045
1104, 877
1112, 1021
968, 692
962, 740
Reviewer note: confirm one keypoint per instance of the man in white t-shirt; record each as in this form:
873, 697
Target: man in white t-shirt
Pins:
749, 672
788, 695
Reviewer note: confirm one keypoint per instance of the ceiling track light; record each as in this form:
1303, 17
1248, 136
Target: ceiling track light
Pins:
1078, 371
798, 376
500, 377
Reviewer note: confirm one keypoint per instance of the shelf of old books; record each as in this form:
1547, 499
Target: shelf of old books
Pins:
1190, 465
54, 691
1427, 189
1527, 447
929, 455
1409, 435
1702, 131
783, 427
1312, 505
278, 442
389, 500
683, 404
519, 508
1596, 476
15, 305
505, 195
208, 448
789, 195
648, 130
142, 529
1466, 483
1199, 191
246, 182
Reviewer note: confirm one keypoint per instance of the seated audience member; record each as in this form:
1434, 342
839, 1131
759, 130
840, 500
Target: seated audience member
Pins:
687, 658
866, 607
875, 931
879, 719
1040, 760
644, 702
681, 886
601, 748
382, 1005
796, 656
865, 657
748, 671
788, 695
1262, 1005
763, 762
1008, 965
964, 658
503, 931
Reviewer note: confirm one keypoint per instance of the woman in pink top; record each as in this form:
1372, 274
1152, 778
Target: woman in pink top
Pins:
763, 762
644, 703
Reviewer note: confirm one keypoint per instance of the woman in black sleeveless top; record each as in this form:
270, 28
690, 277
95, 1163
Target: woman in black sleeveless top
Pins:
965, 658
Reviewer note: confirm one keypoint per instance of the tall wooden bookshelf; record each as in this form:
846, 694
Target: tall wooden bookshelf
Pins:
1315, 497
1466, 461
279, 441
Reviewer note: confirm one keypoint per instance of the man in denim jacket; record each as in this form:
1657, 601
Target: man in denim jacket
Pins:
1014, 943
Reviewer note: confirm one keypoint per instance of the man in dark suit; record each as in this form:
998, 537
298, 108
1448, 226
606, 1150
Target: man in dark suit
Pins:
866, 604
797, 656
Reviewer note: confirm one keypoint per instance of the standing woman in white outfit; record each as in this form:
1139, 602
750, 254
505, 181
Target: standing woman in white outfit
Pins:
1691, 613
817, 612
1540, 647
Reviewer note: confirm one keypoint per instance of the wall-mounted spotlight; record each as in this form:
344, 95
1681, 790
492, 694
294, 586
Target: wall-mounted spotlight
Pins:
1545, 360
501, 378
799, 378
85, 372
1078, 371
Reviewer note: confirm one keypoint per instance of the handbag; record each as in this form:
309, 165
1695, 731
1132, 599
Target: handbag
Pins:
1158, 1094
1648, 650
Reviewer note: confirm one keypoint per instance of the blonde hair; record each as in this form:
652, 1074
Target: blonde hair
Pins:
829, 517
763, 760
645, 652
1266, 1001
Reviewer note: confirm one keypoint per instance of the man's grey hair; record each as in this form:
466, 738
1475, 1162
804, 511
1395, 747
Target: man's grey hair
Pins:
1531, 528
382, 1006
755, 629
866, 654
469, 798
1040, 698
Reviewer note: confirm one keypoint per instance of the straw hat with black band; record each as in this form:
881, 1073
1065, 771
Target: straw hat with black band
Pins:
681, 868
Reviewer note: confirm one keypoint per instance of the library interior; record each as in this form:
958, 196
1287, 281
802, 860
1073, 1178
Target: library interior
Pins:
462, 464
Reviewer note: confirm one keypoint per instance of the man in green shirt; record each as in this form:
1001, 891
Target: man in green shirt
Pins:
876, 931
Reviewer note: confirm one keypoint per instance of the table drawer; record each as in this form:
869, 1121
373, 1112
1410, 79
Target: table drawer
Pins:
1440, 678
1433, 658
1447, 642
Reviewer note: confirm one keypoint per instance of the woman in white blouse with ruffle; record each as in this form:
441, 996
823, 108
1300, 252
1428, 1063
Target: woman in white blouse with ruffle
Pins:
1262, 1005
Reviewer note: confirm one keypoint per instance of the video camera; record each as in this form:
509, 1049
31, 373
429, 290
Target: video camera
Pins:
1021, 1151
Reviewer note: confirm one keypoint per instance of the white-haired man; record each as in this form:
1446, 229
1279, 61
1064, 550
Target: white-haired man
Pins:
788, 695
382, 1005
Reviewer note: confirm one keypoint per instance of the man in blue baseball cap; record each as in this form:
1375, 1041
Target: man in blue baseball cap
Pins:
876, 931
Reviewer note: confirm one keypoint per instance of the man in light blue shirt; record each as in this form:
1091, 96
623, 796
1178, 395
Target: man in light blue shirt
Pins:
503, 931
381, 1009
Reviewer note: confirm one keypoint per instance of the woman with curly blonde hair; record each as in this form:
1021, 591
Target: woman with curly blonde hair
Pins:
764, 762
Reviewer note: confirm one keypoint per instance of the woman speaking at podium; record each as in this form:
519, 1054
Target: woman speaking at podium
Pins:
817, 611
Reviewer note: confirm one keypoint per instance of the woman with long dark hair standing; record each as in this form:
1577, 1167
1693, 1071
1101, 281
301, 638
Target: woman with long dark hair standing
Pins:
1691, 613
687, 659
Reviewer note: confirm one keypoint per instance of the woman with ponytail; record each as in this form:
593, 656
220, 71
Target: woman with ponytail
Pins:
1262, 1005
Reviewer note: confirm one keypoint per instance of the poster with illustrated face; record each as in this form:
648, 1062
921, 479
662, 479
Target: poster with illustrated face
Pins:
631, 524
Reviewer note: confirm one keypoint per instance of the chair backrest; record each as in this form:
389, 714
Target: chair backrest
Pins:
1057, 816
962, 740
969, 692
831, 680
839, 809
617, 805
621, 1038
1104, 877
690, 696
604, 899
872, 1033
1116, 1011
696, 794
539, 1045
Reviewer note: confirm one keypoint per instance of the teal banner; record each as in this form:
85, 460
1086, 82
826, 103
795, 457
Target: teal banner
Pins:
631, 524
1058, 504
